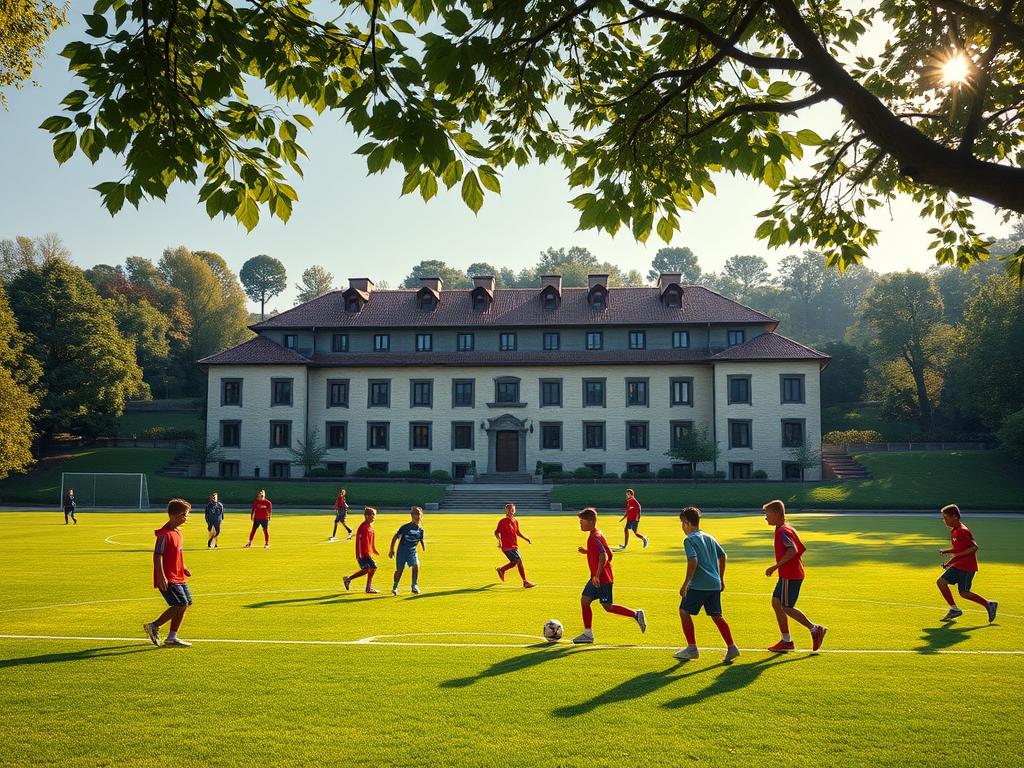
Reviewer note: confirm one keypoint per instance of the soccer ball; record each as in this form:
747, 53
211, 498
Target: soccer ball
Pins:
553, 630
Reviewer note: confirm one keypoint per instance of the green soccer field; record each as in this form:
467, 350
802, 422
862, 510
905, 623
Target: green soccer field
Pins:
288, 669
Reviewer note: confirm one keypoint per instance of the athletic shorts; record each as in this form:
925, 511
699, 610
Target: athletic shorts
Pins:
708, 599
788, 591
512, 555
962, 579
367, 562
340, 518
602, 594
410, 559
632, 525
177, 594
213, 525
261, 524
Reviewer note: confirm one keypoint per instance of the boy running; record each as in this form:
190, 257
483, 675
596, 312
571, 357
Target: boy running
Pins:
703, 585
632, 518
508, 534
69, 506
407, 537
340, 512
788, 550
260, 516
365, 547
599, 587
170, 575
961, 567
214, 517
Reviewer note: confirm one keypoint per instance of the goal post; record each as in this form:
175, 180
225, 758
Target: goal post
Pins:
106, 490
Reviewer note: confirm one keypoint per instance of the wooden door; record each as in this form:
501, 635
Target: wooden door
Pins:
506, 457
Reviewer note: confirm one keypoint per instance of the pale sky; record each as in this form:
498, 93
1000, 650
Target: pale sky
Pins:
357, 225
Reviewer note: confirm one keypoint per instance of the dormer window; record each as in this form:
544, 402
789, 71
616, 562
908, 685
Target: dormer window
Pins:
480, 302
672, 298
598, 301
550, 300
290, 341
352, 304
428, 302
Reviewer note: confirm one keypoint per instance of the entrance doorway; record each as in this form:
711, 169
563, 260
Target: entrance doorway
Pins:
506, 456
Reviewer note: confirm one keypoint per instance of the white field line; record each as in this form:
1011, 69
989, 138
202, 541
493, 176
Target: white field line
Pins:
383, 641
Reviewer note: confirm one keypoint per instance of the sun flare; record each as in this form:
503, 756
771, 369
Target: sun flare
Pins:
956, 70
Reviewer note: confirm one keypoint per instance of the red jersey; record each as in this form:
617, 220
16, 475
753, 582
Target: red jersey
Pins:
365, 541
261, 509
632, 510
168, 546
785, 537
508, 533
595, 543
340, 505
962, 539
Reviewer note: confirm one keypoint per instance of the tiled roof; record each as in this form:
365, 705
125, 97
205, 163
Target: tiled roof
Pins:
770, 346
256, 351
515, 307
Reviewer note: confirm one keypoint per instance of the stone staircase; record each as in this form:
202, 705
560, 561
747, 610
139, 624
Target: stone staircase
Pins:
480, 497
505, 478
837, 464
178, 466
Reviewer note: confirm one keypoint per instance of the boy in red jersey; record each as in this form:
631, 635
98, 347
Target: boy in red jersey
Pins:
508, 534
260, 516
599, 587
365, 547
632, 518
170, 575
788, 550
961, 567
340, 513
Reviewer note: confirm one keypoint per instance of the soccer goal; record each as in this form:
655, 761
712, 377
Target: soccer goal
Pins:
106, 490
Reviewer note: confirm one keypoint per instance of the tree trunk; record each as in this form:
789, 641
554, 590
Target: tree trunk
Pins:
923, 403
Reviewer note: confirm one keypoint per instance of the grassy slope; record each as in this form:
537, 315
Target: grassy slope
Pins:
134, 423
870, 579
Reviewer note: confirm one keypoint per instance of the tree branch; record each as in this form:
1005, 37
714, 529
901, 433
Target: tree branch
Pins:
1012, 30
974, 122
779, 107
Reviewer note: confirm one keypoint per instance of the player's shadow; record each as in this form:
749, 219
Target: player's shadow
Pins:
734, 677
946, 636
330, 599
634, 688
450, 592
83, 655
544, 653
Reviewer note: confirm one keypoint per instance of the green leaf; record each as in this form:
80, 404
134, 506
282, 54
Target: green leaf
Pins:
114, 199
451, 173
665, 229
780, 89
456, 22
472, 195
774, 173
642, 224
248, 213
401, 25
809, 137
412, 181
64, 146
92, 142
55, 124
304, 121
765, 230
428, 186
489, 178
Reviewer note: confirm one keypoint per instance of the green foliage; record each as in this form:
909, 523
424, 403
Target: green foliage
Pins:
316, 281
25, 26
1011, 435
844, 379
679, 260
450, 276
203, 452
263, 277
696, 447
851, 437
309, 453
19, 374
806, 458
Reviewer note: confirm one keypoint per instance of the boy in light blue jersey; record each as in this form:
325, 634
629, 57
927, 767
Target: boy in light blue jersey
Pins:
704, 584
407, 537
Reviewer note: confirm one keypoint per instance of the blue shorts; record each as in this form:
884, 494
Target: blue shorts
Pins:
603, 594
632, 525
962, 579
261, 524
512, 555
367, 562
410, 558
708, 599
340, 517
177, 594
213, 525
788, 591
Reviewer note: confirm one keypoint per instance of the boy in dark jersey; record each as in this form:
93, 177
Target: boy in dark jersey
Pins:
170, 575
407, 537
508, 534
788, 550
69, 506
214, 517
961, 567
365, 548
599, 587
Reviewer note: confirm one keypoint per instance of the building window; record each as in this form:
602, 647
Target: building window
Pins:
593, 392
507, 342
381, 342
636, 392
229, 469
683, 469
506, 391
739, 390
380, 393
336, 468
230, 434
281, 391
480, 302
419, 435
680, 339
672, 299
638, 340
678, 431
377, 435
421, 393
636, 435
339, 342
739, 470
791, 471
377, 466
337, 434
792, 389
736, 337
427, 302
352, 304
419, 466
230, 391
460, 469
792, 433
550, 392
598, 301
464, 342
638, 469
462, 393
551, 436
681, 392
552, 341
280, 469
550, 300
337, 393
280, 434
462, 435
593, 435
598, 468
291, 341
595, 340
739, 434
424, 342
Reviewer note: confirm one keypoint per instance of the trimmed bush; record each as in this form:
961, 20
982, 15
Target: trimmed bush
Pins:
759, 474
168, 433
1011, 434
852, 437
441, 476
585, 473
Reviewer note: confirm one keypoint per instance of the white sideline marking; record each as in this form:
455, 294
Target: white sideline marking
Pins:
376, 641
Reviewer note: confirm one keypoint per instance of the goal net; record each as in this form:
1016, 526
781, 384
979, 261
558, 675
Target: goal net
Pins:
106, 490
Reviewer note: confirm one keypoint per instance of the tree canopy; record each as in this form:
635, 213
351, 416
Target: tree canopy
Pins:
25, 26
263, 277
316, 281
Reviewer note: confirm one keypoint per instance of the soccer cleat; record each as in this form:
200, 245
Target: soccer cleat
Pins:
952, 614
646, 542
394, 591
687, 653
176, 642
528, 585
415, 589
248, 544
782, 646
585, 638
730, 653
333, 538
501, 573
372, 591
348, 537
152, 632
266, 546
641, 619
991, 608
347, 581
818, 637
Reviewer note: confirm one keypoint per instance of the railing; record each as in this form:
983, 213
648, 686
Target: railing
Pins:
911, 446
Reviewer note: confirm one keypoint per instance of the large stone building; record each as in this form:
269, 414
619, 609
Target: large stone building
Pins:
438, 379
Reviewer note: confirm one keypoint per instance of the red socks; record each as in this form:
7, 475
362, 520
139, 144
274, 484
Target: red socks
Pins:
723, 627
621, 611
588, 617
688, 630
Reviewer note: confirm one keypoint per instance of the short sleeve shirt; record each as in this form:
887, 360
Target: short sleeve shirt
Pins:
785, 537
409, 535
508, 533
595, 543
962, 538
364, 540
169, 546
703, 547
632, 510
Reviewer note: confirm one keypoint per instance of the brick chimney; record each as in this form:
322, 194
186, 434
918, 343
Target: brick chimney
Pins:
432, 284
555, 281
484, 281
597, 280
361, 284
665, 279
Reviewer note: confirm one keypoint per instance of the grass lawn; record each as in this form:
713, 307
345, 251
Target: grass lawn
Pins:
457, 676
134, 423
842, 416
919, 480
